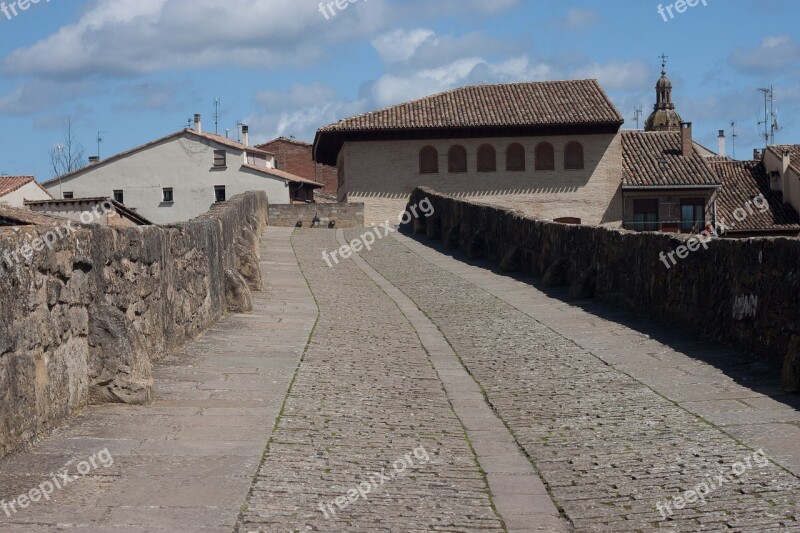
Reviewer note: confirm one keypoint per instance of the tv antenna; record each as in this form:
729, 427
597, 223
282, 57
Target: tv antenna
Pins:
637, 114
217, 103
733, 137
770, 121
99, 140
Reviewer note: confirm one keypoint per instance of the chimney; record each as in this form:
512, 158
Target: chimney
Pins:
722, 143
198, 123
756, 154
687, 144
786, 161
93, 160
245, 134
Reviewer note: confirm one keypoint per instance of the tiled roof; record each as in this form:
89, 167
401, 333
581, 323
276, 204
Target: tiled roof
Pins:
653, 159
741, 182
274, 172
282, 140
209, 136
14, 216
515, 104
9, 184
794, 154
121, 208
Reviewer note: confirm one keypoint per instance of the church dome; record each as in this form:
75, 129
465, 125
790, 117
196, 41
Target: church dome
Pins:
664, 117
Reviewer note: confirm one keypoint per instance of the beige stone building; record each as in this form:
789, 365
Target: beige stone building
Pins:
550, 149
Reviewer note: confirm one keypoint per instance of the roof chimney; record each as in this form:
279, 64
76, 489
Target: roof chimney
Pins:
687, 144
756, 154
93, 160
245, 134
198, 123
786, 161
722, 143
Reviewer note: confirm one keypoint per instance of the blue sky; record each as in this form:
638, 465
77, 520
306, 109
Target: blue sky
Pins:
139, 69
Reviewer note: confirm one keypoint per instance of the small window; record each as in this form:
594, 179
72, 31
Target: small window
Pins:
693, 215
168, 197
573, 156
69, 195
457, 159
515, 158
487, 158
428, 160
219, 193
545, 157
119, 196
645, 215
220, 158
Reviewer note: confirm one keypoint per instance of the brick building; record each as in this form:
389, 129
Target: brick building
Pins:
295, 157
551, 149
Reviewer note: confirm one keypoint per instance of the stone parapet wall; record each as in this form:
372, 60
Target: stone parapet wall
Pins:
83, 320
344, 215
742, 292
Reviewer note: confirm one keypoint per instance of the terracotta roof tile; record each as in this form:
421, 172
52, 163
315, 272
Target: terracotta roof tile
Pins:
653, 159
794, 154
15, 216
9, 184
515, 104
744, 180
274, 172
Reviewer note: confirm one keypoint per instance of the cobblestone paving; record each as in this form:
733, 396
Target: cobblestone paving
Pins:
364, 397
609, 447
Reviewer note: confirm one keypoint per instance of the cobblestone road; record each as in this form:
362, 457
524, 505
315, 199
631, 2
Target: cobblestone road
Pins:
454, 398
608, 446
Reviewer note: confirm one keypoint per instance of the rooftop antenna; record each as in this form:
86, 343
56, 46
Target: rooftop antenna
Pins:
637, 114
99, 140
770, 119
217, 103
733, 137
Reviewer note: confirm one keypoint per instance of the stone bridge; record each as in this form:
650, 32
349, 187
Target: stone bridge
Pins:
410, 388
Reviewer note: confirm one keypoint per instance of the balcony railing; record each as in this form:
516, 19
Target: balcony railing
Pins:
673, 226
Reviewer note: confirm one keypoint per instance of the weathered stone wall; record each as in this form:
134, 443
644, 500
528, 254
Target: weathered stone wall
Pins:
344, 215
84, 321
744, 292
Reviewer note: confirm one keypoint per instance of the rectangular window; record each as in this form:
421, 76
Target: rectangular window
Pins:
69, 195
168, 197
693, 216
220, 158
645, 215
257, 160
219, 193
119, 196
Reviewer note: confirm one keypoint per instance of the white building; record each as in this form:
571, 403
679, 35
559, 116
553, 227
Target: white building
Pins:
16, 190
180, 176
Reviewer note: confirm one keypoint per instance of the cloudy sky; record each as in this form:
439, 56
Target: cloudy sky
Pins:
139, 69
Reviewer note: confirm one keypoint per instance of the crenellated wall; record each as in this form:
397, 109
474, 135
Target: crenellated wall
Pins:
743, 292
83, 320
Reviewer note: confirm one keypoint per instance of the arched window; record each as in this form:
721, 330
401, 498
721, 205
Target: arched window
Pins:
573, 156
545, 157
457, 159
515, 158
428, 160
487, 158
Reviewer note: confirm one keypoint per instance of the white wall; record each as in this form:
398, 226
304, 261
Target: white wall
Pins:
789, 181
185, 164
30, 191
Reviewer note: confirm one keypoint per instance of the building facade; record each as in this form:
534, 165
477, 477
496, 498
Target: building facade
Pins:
15, 190
296, 157
549, 149
179, 177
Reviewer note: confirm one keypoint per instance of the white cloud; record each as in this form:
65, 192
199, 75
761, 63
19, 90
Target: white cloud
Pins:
617, 75
401, 45
774, 54
579, 19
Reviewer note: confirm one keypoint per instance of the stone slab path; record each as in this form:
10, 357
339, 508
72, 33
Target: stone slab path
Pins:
406, 389
185, 463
